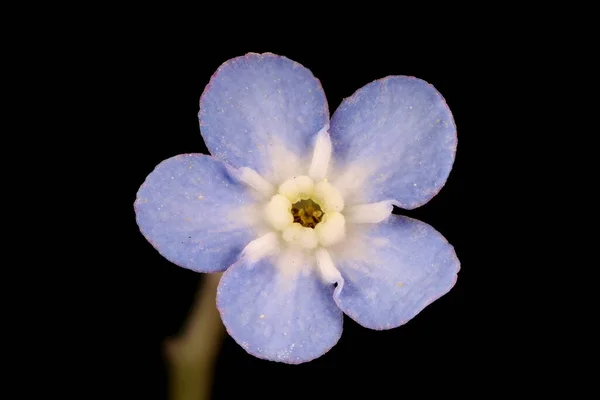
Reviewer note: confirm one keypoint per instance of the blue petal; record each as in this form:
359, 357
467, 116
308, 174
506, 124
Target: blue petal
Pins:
398, 267
192, 212
257, 107
277, 317
398, 132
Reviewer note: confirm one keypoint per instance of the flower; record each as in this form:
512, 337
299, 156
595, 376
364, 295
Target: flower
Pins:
296, 208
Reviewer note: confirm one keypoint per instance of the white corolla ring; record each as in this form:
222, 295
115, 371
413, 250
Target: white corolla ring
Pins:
308, 214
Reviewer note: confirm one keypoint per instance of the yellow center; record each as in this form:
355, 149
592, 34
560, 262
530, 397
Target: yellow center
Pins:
307, 213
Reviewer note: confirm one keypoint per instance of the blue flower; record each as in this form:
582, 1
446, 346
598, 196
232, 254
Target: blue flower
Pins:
296, 208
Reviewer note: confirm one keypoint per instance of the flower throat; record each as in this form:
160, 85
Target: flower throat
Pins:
307, 213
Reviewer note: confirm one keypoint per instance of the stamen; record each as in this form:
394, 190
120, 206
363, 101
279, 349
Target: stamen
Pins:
257, 182
307, 213
263, 246
321, 156
331, 229
369, 213
327, 269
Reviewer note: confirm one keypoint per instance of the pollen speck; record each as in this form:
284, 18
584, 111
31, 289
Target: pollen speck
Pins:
200, 197
399, 284
262, 316
187, 218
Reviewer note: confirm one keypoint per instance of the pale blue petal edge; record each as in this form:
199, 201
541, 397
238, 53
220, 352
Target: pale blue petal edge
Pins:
289, 320
257, 104
190, 209
403, 266
400, 133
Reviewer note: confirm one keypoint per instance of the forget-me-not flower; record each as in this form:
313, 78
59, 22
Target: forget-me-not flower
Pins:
296, 208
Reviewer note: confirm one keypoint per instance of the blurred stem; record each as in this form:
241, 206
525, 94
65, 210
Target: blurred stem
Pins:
191, 356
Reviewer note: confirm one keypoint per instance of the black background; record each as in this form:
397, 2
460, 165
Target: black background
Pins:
161, 76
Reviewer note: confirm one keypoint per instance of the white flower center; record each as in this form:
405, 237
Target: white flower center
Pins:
307, 212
